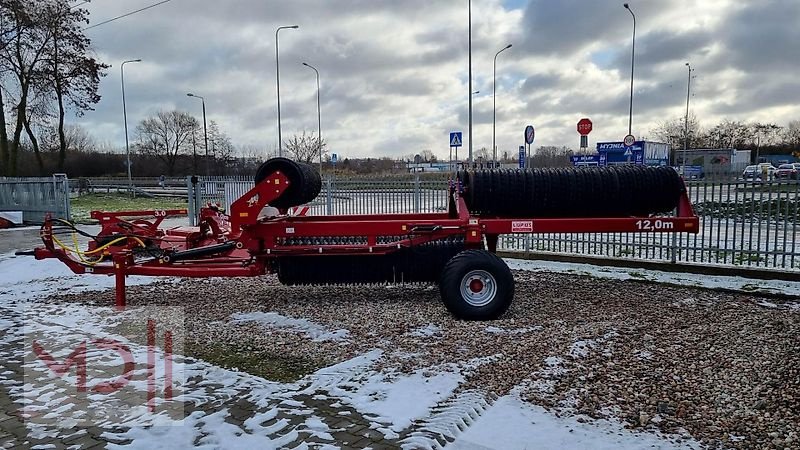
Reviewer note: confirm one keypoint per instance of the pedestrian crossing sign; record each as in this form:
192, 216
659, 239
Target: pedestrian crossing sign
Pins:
455, 139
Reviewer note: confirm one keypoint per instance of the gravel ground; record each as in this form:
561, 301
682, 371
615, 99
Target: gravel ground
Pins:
718, 366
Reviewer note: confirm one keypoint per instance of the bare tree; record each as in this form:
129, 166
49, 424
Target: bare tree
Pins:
166, 136
791, 135
305, 147
44, 58
673, 132
482, 153
766, 134
552, 156
427, 155
73, 74
221, 147
76, 138
731, 134
22, 53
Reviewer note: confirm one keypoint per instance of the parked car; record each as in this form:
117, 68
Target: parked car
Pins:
757, 173
788, 171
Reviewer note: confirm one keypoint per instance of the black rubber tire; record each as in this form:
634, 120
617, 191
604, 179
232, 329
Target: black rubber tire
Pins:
618, 191
304, 182
461, 265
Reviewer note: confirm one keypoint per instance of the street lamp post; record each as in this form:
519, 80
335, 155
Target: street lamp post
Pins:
125, 119
319, 117
278, 84
494, 102
205, 132
686, 119
633, 50
469, 160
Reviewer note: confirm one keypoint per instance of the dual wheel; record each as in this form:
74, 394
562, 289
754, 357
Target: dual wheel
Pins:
476, 285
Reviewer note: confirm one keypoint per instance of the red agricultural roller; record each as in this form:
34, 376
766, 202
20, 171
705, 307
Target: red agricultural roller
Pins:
455, 249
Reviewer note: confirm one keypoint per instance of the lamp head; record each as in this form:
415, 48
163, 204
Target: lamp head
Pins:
626, 6
190, 94
294, 26
508, 46
136, 60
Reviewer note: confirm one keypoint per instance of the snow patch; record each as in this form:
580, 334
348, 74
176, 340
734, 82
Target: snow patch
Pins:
498, 330
748, 285
511, 423
429, 330
314, 331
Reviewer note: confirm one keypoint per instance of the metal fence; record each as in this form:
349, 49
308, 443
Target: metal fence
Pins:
338, 195
741, 224
36, 197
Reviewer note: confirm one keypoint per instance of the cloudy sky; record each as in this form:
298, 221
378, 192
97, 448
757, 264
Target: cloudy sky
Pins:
394, 73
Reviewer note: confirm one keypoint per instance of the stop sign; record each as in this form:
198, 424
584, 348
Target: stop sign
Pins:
584, 126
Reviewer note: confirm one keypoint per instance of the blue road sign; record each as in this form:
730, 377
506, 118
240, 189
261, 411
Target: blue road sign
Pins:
529, 134
521, 156
455, 139
585, 160
334, 158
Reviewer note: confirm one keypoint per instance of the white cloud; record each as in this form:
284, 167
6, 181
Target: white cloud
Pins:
394, 73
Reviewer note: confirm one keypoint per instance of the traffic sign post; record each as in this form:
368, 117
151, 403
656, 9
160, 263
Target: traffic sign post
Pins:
530, 134
455, 142
584, 128
628, 142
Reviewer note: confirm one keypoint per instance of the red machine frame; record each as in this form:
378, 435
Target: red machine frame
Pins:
244, 244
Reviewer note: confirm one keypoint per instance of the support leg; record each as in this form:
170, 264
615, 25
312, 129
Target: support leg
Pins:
120, 261
491, 242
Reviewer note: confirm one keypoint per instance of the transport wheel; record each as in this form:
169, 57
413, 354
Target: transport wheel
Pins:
476, 285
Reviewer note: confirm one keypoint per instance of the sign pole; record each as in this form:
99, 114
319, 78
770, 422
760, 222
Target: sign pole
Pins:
528, 162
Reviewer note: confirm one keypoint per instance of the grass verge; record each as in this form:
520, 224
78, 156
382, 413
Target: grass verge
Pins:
83, 206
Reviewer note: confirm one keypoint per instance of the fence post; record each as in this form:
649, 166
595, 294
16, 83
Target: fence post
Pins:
417, 193
328, 196
199, 186
61, 187
190, 200
673, 249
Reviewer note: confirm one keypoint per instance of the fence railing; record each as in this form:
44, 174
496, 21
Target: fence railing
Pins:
741, 224
36, 197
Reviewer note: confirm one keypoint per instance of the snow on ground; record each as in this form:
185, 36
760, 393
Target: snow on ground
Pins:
511, 423
23, 278
391, 401
747, 285
314, 331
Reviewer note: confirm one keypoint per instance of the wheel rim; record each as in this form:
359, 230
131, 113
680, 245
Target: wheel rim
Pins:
478, 288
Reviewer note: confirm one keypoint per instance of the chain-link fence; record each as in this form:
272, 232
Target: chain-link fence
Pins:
741, 224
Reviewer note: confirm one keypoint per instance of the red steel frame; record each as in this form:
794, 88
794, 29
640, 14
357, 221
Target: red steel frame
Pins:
244, 245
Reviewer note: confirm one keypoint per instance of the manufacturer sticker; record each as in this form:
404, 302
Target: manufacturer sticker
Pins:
522, 226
